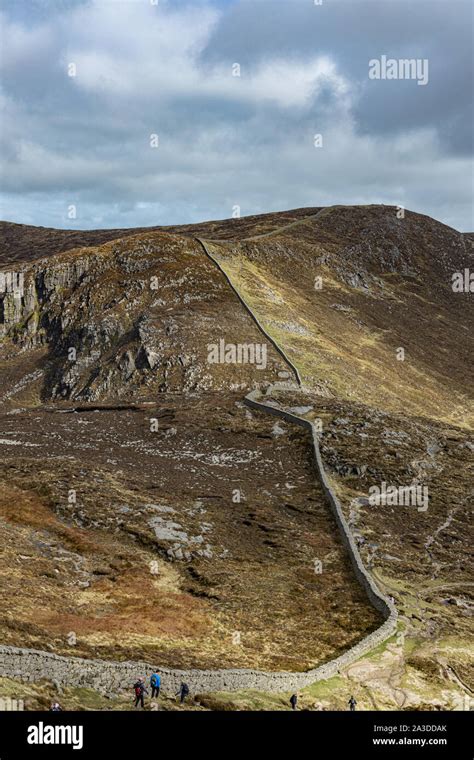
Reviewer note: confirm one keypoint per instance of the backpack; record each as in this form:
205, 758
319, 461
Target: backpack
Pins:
138, 689
154, 680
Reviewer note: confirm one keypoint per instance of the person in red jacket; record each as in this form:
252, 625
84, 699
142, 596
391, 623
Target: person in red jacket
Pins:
140, 690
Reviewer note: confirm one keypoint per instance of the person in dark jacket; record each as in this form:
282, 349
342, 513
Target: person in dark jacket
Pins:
352, 704
140, 690
155, 683
293, 701
183, 692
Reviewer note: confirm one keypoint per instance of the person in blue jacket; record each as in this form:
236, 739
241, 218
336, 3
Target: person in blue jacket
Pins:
155, 683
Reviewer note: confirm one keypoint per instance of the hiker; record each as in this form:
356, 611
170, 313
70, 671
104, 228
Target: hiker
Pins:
293, 701
183, 692
155, 683
352, 704
140, 690
55, 707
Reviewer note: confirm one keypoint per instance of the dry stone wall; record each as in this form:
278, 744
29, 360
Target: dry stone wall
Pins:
381, 602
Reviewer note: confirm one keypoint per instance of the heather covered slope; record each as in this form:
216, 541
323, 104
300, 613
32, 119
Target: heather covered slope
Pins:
155, 557
343, 290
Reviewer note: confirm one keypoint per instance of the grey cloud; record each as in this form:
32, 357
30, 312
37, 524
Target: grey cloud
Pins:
356, 31
225, 141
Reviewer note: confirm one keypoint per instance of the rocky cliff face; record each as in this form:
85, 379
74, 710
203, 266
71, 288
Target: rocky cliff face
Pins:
131, 317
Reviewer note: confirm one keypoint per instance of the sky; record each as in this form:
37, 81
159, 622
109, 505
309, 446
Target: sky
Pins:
125, 113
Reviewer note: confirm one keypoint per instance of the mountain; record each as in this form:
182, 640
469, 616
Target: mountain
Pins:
149, 512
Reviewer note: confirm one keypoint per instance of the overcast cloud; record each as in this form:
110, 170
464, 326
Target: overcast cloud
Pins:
167, 69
